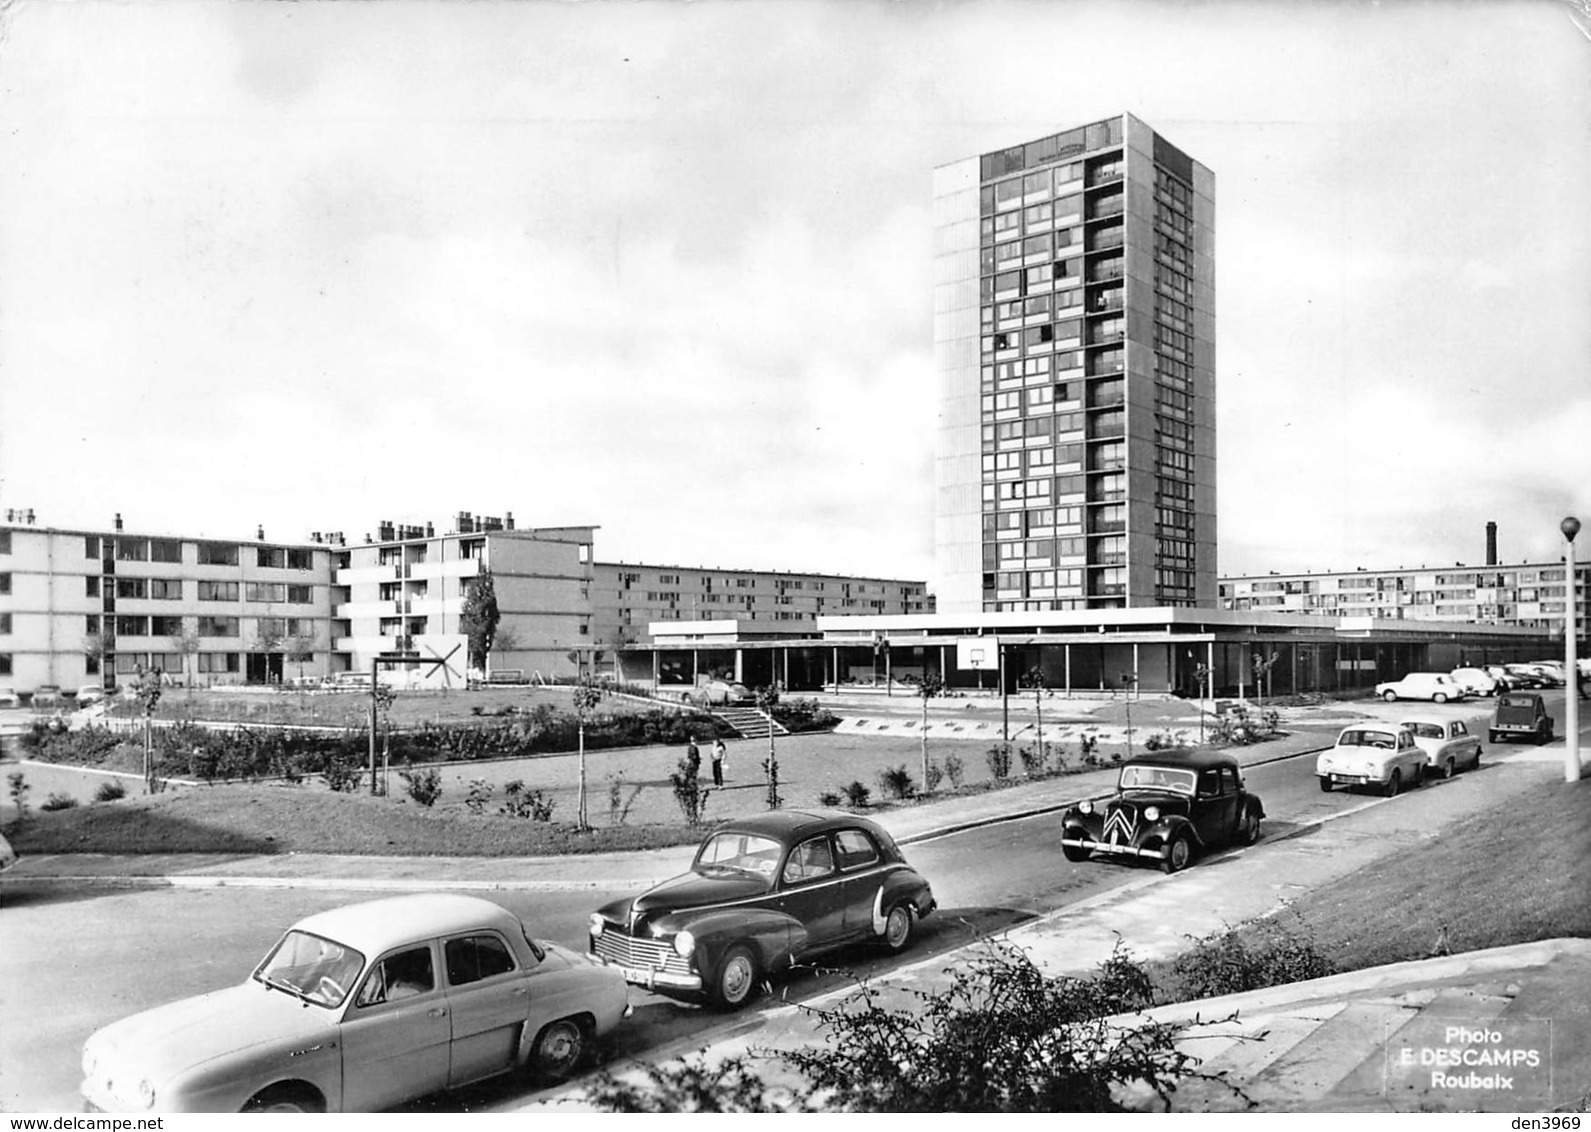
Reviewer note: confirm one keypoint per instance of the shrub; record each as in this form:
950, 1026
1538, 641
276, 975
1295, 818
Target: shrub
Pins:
1002, 1037
829, 798
110, 791
521, 803
857, 795
955, 770
618, 805
1265, 953
689, 792
424, 786
342, 773
934, 776
1035, 761
18, 790
480, 796
896, 782
999, 759
57, 801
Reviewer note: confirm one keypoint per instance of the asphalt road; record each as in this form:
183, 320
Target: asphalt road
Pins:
76, 959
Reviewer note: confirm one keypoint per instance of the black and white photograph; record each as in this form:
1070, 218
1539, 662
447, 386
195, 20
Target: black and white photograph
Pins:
573, 557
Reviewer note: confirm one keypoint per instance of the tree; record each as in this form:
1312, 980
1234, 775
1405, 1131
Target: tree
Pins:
185, 642
1034, 678
301, 648
1201, 673
1130, 683
930, 686
1262, 672
506, 640
147, 689
767, 700
269, 634
479, 617
586, 698
99, 647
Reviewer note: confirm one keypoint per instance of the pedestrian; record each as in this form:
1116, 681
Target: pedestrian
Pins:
693, 757
720, 758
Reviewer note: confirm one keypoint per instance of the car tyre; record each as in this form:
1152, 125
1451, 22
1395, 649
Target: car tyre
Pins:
1073, 853
1178, 854
1249, 831
1394, 784
1493, 737
284, 1098
1440, 697
1449, 770
736, 983
559, 1050
1389, 695
1325, 784
898, 927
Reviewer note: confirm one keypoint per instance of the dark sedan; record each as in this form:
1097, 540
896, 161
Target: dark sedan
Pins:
1168, 806
763, 894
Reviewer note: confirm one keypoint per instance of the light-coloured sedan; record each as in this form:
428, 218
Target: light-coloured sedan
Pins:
1438, 687
1449, 746
1372, 754
361, 1008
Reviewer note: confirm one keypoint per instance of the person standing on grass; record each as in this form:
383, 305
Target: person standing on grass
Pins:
693, 756
720, 758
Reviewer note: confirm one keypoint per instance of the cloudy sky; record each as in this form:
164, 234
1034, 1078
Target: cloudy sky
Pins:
665, 267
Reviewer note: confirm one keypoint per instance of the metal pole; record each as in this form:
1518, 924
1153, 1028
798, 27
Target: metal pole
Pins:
1571, 685
373, 726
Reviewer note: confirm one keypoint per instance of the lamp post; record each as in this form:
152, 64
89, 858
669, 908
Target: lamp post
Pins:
1571, 699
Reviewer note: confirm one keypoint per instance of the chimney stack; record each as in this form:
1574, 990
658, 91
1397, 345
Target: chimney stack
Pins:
118, 520
259, 533
510, 520
1491, 544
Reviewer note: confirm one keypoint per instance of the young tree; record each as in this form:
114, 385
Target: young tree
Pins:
147, 688
185, 643
1201, 673
1129, 681
1262, 674
301, 648
269, 635
506, 640
767, 700
930, 686
586, 698
1034, 678
99, 647
479, 617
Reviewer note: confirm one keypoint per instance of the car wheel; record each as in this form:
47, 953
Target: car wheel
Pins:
1478, 754
1492, 737
1072, 852
737, 978
1448, 771
1440, 697
1249, 832
284, 1098
1419, 777
1178, 854
558, 1050
1394, 784
898, 927
1325, 784
1389, 695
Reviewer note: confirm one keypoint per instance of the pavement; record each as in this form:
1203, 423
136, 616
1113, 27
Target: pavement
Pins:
1421, 1036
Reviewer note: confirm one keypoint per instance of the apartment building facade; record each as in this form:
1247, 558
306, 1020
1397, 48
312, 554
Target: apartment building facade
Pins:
97, 606
1529, 595
1074, 336
630, 596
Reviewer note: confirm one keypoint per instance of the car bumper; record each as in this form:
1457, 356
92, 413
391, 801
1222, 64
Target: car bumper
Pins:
650, 978
1113, 847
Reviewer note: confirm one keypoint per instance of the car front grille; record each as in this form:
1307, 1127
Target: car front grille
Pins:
615, 947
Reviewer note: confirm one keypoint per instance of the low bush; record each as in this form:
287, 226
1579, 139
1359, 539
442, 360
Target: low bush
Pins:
955, 770
999, 760
829, 798
519, 802
479, 796
424, 786
110, 791
1035, 760
57, 801
857, 795
896, 782
934, 776
1269, 953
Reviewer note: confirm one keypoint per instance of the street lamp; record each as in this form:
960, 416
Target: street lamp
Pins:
1571, 700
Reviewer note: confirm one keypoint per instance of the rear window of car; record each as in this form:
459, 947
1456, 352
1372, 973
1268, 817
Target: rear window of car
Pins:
856, 849
1425, 730
1517, 701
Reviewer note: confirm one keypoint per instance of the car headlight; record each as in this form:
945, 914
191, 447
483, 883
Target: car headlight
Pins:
1370, 768
146, 1093
1151, 813
1085, 806
684, 944
597, 923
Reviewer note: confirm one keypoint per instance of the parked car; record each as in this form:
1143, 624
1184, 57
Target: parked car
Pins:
361, 1008
90, 694
714, 693
1552, 669
1448, 745
1372, 754
1438, 687
9, 697
1169, 806
47, 696
1520, 715
1506, 681
763, 894
1475, 681
1525, 676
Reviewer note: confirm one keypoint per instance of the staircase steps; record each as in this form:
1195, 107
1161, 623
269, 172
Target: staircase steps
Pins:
749, 723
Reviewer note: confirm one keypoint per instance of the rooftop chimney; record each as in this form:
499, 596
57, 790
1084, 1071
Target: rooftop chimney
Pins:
1491, 544
259, 533
118, 520
30, 516
509, 519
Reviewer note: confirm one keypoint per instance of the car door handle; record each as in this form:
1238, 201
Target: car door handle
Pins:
437, 1011
522, 990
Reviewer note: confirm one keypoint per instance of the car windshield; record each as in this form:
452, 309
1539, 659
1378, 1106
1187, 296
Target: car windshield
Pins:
1174, 779
1384, 739
1424, 730
740, 852
316, 969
